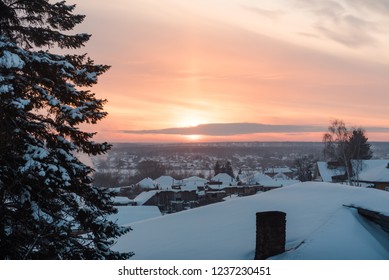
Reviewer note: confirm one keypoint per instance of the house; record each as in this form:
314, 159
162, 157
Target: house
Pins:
248, 190
194, 182
168, 200
222, 183
273, 171
224, 179
146, 183
265, 182
372, 173
164, 182
329, 172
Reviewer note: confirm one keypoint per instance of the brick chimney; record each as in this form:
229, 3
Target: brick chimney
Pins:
271, 233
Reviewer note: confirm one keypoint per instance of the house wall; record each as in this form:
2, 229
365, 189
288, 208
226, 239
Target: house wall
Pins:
164, 199
381, 185
377, 185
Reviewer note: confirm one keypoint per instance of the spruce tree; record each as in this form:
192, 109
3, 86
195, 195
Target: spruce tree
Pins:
228, 169
49, 208
217, 168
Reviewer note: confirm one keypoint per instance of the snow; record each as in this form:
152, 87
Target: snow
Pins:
265, 180
92, 76
225, 179
164, 182
281, 176
20, 103
188, 184
131, 214
144, 197
284, 183
6, 88
147, 183
10, 60
327, 173
373, 170
195, 179
317, 220
192, 183
121, 200
280, 180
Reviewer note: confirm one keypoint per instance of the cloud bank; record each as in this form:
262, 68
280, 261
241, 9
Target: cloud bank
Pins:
229, 129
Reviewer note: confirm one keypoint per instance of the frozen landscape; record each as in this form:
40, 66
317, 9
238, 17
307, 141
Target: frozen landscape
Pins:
319, 226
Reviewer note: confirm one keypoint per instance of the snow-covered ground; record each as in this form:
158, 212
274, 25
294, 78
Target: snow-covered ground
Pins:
131, 214
317, 220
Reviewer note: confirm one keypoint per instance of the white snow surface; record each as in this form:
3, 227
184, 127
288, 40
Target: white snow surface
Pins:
164, 182
327, 173
225, 179
121, 200
374, 170
316, 220
147, 183
131, 214
143, 197
192, 183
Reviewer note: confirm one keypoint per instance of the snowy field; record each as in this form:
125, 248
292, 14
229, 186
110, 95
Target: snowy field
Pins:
319, 226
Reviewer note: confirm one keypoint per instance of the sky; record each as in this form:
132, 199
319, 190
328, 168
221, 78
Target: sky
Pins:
241, 70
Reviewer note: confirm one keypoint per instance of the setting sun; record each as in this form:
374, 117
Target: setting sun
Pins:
193, 137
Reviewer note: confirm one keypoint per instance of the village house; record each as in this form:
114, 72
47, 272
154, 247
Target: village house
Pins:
172, 195
329, 172
372, 173
366, 173
273, 171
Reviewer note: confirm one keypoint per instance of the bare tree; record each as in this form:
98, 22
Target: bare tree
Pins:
343, 145
304, 166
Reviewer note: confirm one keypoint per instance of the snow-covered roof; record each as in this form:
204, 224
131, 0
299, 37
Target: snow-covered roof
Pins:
147, 183
164, 182
192, 183
326, 173
276, 170
144, 197
372, 170
224, 179
115, 190
264, 180
195, 179
131, 214
121, 200
281, 176
319, 226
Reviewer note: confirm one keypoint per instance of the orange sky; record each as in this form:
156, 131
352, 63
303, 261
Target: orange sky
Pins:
179, 63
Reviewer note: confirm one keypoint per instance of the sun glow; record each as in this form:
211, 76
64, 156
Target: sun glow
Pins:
193, 137
189, 122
